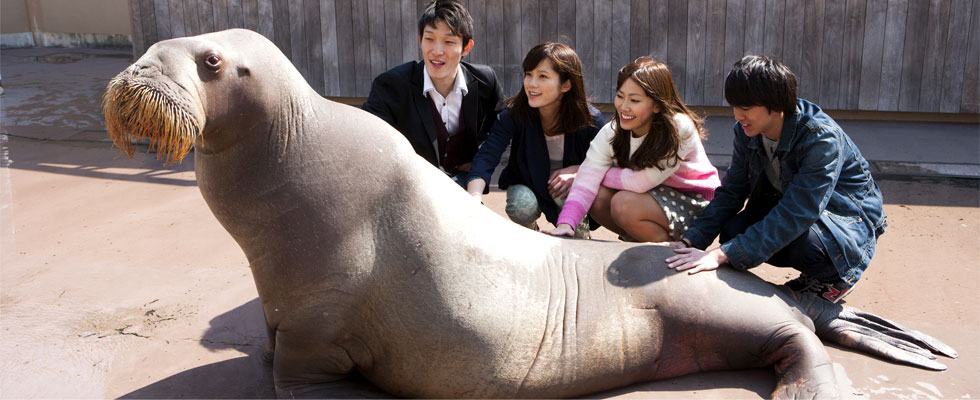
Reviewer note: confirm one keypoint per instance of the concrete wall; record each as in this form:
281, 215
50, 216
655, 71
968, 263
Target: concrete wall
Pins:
65, 23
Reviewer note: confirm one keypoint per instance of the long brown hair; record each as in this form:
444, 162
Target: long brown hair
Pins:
573, 108
659, 148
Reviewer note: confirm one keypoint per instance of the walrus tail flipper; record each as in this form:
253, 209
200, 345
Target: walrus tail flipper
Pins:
870, 333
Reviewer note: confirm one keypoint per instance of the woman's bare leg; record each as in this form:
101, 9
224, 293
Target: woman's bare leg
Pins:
640, 216
600, 210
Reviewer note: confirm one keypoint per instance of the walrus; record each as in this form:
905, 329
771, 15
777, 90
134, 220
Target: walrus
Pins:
372, 265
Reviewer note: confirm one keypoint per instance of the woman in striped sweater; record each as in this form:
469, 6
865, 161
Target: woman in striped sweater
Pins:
646, 175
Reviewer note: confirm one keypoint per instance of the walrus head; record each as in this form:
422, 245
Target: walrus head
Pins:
177, 90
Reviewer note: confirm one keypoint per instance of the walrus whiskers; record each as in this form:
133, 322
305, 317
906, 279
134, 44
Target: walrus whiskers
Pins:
136, 110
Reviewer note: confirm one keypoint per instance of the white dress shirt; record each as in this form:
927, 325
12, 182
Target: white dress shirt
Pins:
450, 106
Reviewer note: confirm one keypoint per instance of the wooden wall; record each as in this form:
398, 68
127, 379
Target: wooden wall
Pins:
885, 55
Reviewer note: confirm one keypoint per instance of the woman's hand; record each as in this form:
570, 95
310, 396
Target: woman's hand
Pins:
560, 230
693, 260
561, 181
475, 188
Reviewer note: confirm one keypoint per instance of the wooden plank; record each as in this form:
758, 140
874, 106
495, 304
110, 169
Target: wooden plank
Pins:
852, 52
772, 42
639, 28
621, 38
932, 66
830, 56
970, 103
192, 23
694, 91
280, 25
393, 35
177, 28
601, 50
659, 25
136, 26
874, 41
677, 44
265, 19
957, 40
220, 15
734, 34
161, 14
149, 22
755, 26
205, 15
809, 74
512, 76
345, 48
363, 73
328, 42
566, 23
236, 14
584, 30
892, 54
314, 45
915, 50
478, 9
250, 13
297, 38
494, 40
530, 26
410, 31
549, 21
715, 65
793, 35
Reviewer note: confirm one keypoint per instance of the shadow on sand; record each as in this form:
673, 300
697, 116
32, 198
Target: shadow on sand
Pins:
92, 159
247, 377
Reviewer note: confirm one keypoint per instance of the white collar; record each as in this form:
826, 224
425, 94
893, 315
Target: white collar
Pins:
459, 86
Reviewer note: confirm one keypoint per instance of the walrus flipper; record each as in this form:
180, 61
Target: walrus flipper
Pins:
872, 334
350, 387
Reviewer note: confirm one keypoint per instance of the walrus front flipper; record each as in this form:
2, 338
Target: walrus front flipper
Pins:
867, 332
351, 387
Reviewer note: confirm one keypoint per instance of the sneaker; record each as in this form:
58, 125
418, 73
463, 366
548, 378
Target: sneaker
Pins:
582, 230
830, 291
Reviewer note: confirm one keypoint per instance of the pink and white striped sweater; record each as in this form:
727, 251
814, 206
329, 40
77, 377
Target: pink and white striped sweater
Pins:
694, 175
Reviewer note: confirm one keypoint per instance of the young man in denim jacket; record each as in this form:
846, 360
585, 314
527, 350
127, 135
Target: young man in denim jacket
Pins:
812, 203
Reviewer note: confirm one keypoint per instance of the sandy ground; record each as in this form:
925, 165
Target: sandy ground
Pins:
116, 280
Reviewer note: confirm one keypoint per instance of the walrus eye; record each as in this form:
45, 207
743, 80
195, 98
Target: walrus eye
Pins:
213, 62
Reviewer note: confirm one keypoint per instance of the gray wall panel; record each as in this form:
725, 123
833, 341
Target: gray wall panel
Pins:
877, 55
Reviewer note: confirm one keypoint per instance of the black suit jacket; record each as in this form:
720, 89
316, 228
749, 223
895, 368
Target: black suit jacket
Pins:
396, 97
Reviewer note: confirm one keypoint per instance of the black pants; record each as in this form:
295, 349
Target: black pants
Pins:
805, 253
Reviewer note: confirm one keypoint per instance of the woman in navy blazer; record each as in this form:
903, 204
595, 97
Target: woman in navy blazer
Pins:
548, 125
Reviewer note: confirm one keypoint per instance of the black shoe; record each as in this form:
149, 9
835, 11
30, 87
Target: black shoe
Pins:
830, 291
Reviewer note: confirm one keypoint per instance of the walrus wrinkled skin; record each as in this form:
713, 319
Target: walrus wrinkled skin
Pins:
370, 261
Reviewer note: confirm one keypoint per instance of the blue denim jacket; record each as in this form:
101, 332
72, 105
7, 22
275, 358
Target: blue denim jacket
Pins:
827, 187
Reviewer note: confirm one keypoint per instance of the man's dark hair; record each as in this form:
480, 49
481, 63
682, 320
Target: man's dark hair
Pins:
761, 81
453, 14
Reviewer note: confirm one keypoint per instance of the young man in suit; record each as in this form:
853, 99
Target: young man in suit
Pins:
444, 106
